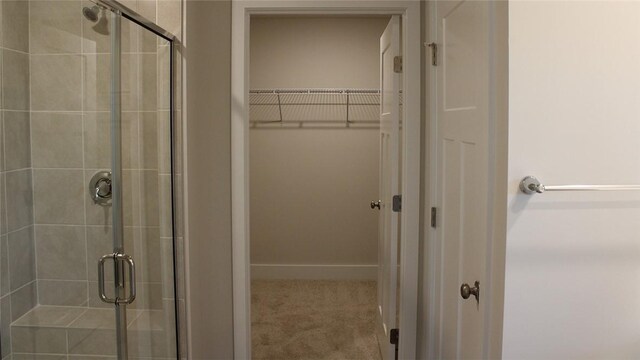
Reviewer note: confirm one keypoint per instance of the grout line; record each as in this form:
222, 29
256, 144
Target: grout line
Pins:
18, 230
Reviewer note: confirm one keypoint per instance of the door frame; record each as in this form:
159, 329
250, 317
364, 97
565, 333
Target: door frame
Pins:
493, 291
410, 10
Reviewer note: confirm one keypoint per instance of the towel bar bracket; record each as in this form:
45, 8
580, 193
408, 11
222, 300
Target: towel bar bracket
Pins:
531, 185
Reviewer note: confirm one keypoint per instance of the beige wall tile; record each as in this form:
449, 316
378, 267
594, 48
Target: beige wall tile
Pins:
149, 255
149, 296
5, 326
164, 78
164, 142
15, 24
63, 293
21, 258
38, 340
149, 82
131, 197
15, 80
23, 300
17, 140
149, 140
169, 16
148, 42
97, 144
97, 86
57, 140
55, 26
145, 344
56, 82
130, 82
130, 140
19, 198
130, 36
3, 205
149, 198
4, 266
147, 8
60, 250
97, 140
58, 196
99, 243
92, 341
94, 300
2, 163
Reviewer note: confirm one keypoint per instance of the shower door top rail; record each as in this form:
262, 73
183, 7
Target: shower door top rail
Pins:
531, 185
137, 18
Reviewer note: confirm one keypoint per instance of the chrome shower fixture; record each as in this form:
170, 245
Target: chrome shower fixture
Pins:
97, 14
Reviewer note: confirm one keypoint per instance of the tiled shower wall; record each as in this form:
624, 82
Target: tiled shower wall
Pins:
17, 249
53, 232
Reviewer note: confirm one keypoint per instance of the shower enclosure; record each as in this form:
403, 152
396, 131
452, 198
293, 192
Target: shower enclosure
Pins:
90, 239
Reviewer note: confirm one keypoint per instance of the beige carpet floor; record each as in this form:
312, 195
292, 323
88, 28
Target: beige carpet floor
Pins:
313, 319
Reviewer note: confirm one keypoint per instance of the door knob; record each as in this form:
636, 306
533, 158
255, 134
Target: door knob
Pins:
466, 291
376, 204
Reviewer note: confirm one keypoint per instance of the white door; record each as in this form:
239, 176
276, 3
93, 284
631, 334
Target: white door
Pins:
390, 82
462, 81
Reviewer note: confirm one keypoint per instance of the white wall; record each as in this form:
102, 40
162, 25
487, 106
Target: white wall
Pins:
311, 188
208, 110
573, 259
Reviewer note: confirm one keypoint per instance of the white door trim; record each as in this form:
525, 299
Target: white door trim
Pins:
411, 167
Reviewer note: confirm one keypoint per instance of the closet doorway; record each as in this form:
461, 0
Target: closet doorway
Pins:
316, 139
314, 118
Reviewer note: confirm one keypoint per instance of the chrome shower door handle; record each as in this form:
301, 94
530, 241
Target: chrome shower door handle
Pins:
132, 278
101, 292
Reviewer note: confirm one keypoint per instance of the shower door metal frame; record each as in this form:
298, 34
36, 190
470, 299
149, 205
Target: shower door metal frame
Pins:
119, 256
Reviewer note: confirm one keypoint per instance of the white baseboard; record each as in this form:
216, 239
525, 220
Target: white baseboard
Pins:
314, 272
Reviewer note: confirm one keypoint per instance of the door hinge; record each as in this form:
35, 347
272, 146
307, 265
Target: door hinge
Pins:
397, 203
434, 216
434, 53
397, 64
394, 339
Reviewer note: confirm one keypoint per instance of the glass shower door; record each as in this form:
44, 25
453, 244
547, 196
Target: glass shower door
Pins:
85, 179
147, 188
142, 261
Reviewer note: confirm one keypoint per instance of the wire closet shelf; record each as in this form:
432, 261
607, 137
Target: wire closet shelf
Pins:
314, 107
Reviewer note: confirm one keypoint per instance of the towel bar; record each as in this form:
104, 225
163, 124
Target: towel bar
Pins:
531, 185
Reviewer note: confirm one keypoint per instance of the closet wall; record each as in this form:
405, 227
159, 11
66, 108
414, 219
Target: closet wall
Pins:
311, 188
